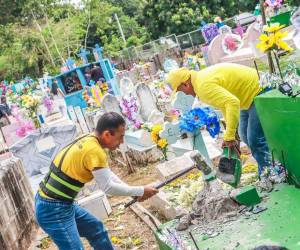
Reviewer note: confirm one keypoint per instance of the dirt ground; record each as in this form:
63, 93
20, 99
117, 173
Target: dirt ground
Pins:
125, 228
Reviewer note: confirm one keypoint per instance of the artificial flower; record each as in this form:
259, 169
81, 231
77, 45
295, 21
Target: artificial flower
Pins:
156, 128
284, 45
154, 137
162, 143
199, 117
115, 240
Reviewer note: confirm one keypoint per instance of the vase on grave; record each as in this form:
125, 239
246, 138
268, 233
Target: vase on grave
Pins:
36, 122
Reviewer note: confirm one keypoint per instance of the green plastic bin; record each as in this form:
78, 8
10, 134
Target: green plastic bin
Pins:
280, 119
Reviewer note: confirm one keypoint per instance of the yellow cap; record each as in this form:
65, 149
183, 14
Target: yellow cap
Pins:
178, 76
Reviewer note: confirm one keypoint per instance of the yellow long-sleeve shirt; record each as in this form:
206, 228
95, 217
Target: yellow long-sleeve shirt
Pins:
228, 87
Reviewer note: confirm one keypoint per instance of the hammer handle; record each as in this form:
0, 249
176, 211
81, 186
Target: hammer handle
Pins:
162, 184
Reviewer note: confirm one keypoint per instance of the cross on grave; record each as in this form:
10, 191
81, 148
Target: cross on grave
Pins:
183, 102
97, 51
70, 63
83, 55
171, 130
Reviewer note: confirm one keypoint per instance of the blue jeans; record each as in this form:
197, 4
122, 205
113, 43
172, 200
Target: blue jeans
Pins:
252, 134
65, 222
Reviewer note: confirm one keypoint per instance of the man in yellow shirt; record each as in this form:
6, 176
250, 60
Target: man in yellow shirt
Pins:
78, 163
230, 88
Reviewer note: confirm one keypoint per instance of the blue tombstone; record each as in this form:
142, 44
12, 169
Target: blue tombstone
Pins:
74, 79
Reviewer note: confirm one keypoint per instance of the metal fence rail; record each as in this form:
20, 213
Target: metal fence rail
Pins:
183, 41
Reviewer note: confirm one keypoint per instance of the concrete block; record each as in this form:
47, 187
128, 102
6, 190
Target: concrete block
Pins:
170, 168
97, 204
161, 204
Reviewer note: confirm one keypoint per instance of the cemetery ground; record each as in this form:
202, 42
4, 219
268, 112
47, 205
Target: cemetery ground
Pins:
125, 228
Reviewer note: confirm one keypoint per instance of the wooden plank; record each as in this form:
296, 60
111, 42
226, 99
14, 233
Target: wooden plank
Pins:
144, 215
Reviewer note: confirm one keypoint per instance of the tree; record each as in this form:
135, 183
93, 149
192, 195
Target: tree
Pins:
49, 32
164, 17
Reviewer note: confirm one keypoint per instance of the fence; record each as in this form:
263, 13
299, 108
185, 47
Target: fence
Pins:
188, 40
149, 49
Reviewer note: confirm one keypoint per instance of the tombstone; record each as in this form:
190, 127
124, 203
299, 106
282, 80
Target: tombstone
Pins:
172, 132
239, 30
156, 117
126, 86
110, 103
38, 149
170, 64
244, 55
147, 101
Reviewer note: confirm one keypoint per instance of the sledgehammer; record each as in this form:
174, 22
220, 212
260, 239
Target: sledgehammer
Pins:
200, 164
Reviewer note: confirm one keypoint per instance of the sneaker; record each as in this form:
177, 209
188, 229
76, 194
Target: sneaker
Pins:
265, 183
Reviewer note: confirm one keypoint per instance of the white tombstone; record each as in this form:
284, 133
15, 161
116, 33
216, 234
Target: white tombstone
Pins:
147, 102
126, 86
110, 103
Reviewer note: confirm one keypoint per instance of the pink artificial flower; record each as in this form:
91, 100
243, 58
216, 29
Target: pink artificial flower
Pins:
21, 132
138, 124
29, 126
231, 43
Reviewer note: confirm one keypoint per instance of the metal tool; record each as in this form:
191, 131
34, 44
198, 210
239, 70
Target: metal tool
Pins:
229, 168
200, 163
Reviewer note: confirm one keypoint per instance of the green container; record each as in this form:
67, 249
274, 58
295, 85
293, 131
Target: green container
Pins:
248, 196
280, 119
282, 18
237, 168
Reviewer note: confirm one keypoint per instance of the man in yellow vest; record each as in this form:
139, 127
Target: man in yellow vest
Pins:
78, 163
230, 88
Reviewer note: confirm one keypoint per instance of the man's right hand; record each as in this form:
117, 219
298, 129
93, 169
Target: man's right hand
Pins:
148, 192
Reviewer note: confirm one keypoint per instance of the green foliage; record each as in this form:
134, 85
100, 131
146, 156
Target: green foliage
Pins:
47, 32
38, 35
164, 17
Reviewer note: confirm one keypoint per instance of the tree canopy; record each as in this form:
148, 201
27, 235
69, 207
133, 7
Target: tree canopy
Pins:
38, 35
